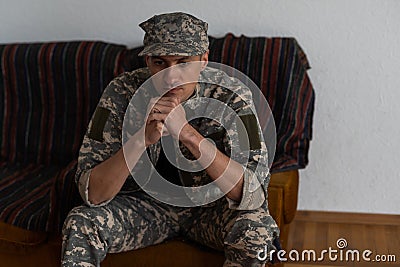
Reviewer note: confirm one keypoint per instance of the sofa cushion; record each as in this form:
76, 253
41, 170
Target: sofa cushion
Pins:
11, 235
37, 197
48, 92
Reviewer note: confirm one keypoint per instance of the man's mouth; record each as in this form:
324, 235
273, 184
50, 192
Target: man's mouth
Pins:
173, 91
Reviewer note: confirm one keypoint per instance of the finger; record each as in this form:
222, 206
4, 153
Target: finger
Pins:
164, 99
156, 117
165, 131
155, 110
151, 107
169, 99
160, 127
153, 100
155, 126
164, 107
159, 108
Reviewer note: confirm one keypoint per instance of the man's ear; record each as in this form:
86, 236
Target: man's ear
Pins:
204, 60
147, 59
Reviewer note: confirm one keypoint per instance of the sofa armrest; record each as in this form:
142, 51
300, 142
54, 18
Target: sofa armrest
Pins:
286, 182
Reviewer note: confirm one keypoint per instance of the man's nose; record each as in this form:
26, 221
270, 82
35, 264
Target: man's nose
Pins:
171, 77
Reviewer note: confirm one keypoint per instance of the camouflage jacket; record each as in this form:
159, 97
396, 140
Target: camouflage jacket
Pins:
244, 143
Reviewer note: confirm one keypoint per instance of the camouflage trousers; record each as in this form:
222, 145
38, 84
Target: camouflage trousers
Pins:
137, 220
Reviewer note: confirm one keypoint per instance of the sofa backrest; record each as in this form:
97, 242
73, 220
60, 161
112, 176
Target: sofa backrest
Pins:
48, 92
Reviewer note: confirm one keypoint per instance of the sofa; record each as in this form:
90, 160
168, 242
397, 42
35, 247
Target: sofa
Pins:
48, 92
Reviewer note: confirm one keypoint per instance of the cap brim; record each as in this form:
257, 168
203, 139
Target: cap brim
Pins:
173, 49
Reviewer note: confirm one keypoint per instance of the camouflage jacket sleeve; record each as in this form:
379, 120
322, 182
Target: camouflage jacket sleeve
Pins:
253, 155
104, 133
243, 141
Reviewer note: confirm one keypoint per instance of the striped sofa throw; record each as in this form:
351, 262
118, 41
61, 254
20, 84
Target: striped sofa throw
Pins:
278, 66
48, 92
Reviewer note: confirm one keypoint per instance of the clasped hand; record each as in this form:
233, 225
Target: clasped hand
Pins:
166, 116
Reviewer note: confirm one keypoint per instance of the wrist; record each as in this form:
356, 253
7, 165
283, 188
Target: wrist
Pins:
190, 136
138, 140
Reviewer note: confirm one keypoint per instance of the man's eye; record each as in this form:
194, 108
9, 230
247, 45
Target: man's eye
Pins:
183, 64
158, 62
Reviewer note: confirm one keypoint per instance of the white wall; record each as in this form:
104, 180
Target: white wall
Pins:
353, 48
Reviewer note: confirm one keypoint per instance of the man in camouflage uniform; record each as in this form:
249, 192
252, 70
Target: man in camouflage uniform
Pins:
119, 215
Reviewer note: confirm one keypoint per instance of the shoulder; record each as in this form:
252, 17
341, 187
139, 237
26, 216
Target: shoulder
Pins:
219, 85
122, 88
127, 83
132, 80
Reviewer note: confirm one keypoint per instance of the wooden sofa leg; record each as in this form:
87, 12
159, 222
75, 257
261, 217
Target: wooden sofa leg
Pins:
284, 237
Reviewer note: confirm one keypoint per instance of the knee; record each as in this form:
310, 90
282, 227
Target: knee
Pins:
248, 237
78, 217
83, 238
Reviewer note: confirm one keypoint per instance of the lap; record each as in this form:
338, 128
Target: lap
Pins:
219, 226
128, 222
136, 221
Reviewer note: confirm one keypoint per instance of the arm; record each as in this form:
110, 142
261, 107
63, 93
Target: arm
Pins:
103, 162
107, 178
217, 164
235, 176
101, 151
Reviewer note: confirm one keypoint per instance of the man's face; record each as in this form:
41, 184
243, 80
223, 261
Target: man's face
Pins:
176, 75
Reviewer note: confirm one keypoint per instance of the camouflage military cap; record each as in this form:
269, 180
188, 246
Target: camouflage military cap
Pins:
174, 34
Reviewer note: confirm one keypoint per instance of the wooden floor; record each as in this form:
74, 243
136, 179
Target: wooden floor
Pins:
320, 231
